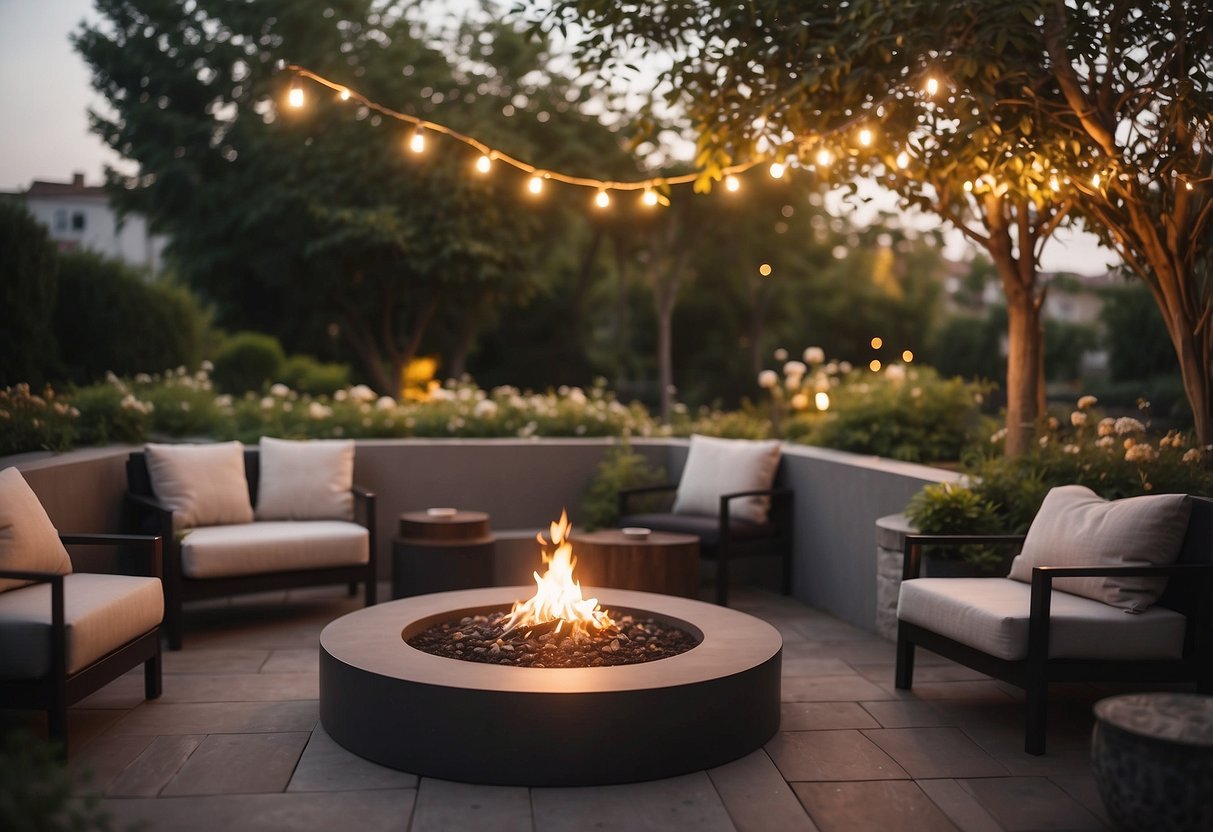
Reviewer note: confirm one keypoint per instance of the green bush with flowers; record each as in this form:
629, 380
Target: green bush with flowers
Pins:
1114, 457
900, 411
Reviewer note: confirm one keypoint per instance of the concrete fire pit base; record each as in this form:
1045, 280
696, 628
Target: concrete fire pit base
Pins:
481, 723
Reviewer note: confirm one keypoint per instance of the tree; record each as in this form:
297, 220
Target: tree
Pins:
306, 223
1052, 107
27, 290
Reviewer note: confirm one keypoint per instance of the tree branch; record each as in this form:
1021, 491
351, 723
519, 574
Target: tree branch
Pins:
1055, 41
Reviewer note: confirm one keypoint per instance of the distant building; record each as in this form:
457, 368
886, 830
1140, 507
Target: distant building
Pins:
80, 217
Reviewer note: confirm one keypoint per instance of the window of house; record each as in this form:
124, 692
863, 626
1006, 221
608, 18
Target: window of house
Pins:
77, 221
61, 219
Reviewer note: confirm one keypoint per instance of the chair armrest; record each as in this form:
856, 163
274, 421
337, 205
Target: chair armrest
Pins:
58, 614
27, 575
625, 494
777, 495
150, 546
364, 502
911, 562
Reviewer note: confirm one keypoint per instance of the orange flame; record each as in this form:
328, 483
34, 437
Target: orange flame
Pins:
557, 596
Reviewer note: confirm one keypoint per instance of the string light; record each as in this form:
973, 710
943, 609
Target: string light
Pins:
932, 87
344, 95
294, 97
907, 356
822, 400
1095, 180
874, 365
865, 137
602, 200
824, 157
483, 164
777, 170
968, 186
732, 183
1188, 185
535, 185
765, 270
903, 159
1054, 185
649, 197
417, 141
877, 342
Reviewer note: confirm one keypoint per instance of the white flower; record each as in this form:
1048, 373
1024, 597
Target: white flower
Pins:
143, 378
895, 372
316, 410
781, 354
1191, 455
814, 355
484, 409
1044, 441
1052, 424
800, 401
1105, 441
280, 390
794, 369
340, 396
998, 435
1107, 426
845, 367
385, 403
832, 368
362, 393
1071, 449
267, 403
768, 379
1087, 402
1127, 424
1078, 418
1141, 453
206, 365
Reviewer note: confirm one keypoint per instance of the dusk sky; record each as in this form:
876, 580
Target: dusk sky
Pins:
45, 92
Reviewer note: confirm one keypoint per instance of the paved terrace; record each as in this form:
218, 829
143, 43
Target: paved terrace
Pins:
234, 744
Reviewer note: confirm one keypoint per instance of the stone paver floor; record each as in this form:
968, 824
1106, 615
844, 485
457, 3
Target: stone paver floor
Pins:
234, 744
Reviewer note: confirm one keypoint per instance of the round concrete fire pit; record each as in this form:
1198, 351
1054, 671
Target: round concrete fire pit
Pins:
483, 723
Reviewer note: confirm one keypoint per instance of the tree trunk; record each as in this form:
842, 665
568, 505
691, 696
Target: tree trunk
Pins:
463, 345
666, 292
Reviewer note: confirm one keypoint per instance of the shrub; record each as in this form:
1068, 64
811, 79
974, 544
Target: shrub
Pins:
248, 361
32, 422
182, 403
621, 468
109, 412
27, 294
307, 375
109, 320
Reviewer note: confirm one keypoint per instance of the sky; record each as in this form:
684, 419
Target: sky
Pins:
45, 95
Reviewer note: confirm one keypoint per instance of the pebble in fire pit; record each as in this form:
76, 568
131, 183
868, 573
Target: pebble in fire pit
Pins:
482, 638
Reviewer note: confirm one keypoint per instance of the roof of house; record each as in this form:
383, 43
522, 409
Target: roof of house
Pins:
75, 188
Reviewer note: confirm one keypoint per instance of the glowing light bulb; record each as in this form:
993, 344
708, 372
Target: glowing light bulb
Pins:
777, 170
1188, 185
535, 186
732, 183
932, 86
907, 356
822, 400
968, 186
1054, 185
344, 95
865, 137
1095, 180
877, 342
603, 199
874, 365
649, 197
295, 96
824, 157
903, 159
483, 164
765, 270
417, 141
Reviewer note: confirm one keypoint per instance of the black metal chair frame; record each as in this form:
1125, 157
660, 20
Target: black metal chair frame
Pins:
146, 512
1190, 595
782, 520
58, 689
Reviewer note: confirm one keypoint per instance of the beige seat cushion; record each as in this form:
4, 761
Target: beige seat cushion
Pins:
102, 612
1077, 527
716, 467
28, 541
272, 546
991, 615
203, 485
310, 480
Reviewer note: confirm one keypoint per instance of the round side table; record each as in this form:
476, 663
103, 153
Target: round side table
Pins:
1152, 756
661, 562
439, 552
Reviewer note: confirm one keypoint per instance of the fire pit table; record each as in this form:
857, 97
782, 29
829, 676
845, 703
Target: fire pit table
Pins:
508, 725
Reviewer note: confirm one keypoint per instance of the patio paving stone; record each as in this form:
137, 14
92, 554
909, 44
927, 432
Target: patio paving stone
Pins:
829, 689
155, 767
848, 807
219, 718
959, 805
758, 798
443, 806
816, 667
817, 716
215, 660
908, 713
239, 764
377, 811
100, 763
239, 687
935, 752
1031, 803
831, 755
687, 802
327, 767
293, 660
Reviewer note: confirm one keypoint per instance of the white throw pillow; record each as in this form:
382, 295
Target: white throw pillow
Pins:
203, 485
28, 540
310, 480
1077, 527
726, 466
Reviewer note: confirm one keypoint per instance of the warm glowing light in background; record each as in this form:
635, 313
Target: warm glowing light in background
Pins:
865, 137
765, 269
932, 86
777, 170
483, 164
907, 356
295, 96
602, 200
874, 365
649, 197
417, 141
822, 400
732, 183
877, 342
535, 186
344, 95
